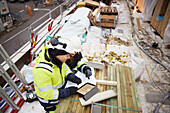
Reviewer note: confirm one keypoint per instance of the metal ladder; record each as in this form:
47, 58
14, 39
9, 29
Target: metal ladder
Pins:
8, 79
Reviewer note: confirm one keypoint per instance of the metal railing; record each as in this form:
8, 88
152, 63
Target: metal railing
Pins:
34, 27
23, 36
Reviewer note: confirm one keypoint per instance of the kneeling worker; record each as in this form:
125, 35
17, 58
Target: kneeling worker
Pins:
51, 72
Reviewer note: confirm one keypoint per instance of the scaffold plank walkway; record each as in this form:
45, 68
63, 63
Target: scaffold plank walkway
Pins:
126, 102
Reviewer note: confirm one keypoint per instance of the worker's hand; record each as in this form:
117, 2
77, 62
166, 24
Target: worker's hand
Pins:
74, 71
88, 72
77, 80
73, 90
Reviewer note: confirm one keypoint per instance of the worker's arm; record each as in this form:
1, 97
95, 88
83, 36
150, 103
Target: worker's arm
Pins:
43, 84
71, 76
44, 89
82, 66
86, 70
66, 92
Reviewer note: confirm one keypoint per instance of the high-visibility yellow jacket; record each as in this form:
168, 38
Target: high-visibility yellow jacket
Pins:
48, 77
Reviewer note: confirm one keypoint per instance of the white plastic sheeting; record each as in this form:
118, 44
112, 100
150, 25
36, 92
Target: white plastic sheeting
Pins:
122, 13
77, 24
167, 34
148, 7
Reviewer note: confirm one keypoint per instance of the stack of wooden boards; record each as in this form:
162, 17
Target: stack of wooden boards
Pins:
127, 99
108, 17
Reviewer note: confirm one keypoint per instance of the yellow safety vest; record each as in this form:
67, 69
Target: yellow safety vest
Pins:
47, 77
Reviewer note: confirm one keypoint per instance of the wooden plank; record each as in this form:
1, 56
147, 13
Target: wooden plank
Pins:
138, 23
140, 5
104, 87
108, 88
66, 107
108, 17
128, 84
111, 79
75, 104
164, 23
134, 2
70, 106
107, 25
160, 25
62, 103
106, 82
87, 109
122, 89
132, 89
97, 73
154, 21
135, 89
92, 3
125, 89
119, 89
115, 100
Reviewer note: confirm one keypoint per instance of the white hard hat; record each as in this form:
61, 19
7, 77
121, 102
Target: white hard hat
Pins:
61, 44
76, 43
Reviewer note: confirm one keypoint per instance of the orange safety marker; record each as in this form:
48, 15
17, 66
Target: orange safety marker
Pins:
32, 38
50, 26
33, 43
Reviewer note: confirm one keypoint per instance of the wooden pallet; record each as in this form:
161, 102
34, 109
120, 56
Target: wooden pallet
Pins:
109, 11
138, 23
126, 89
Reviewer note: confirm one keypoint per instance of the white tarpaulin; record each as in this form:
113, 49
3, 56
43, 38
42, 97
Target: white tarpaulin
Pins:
77, 24
148, 7
167, 34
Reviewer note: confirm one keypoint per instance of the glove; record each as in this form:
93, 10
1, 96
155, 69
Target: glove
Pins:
73, 90
88, 73
77, 80
74, 71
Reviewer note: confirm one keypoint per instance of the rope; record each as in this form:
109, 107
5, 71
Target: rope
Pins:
107, 105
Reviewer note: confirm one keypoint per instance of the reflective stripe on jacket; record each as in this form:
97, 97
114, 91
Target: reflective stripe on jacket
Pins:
48, 78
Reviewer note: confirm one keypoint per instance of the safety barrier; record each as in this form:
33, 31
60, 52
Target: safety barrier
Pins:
28, 12
36, 32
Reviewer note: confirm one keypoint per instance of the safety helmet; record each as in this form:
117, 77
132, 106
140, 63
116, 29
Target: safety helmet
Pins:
76, 43
61, 44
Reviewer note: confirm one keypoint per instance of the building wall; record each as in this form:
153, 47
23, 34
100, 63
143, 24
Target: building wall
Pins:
5, 16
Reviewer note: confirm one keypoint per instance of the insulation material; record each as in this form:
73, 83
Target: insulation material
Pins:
122, 13
96, 51
94, 32
138, 66
148, 7
77, 24
166, 39
98, 97
100, 53
117, 55
28, 74
120, 39
84, 79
